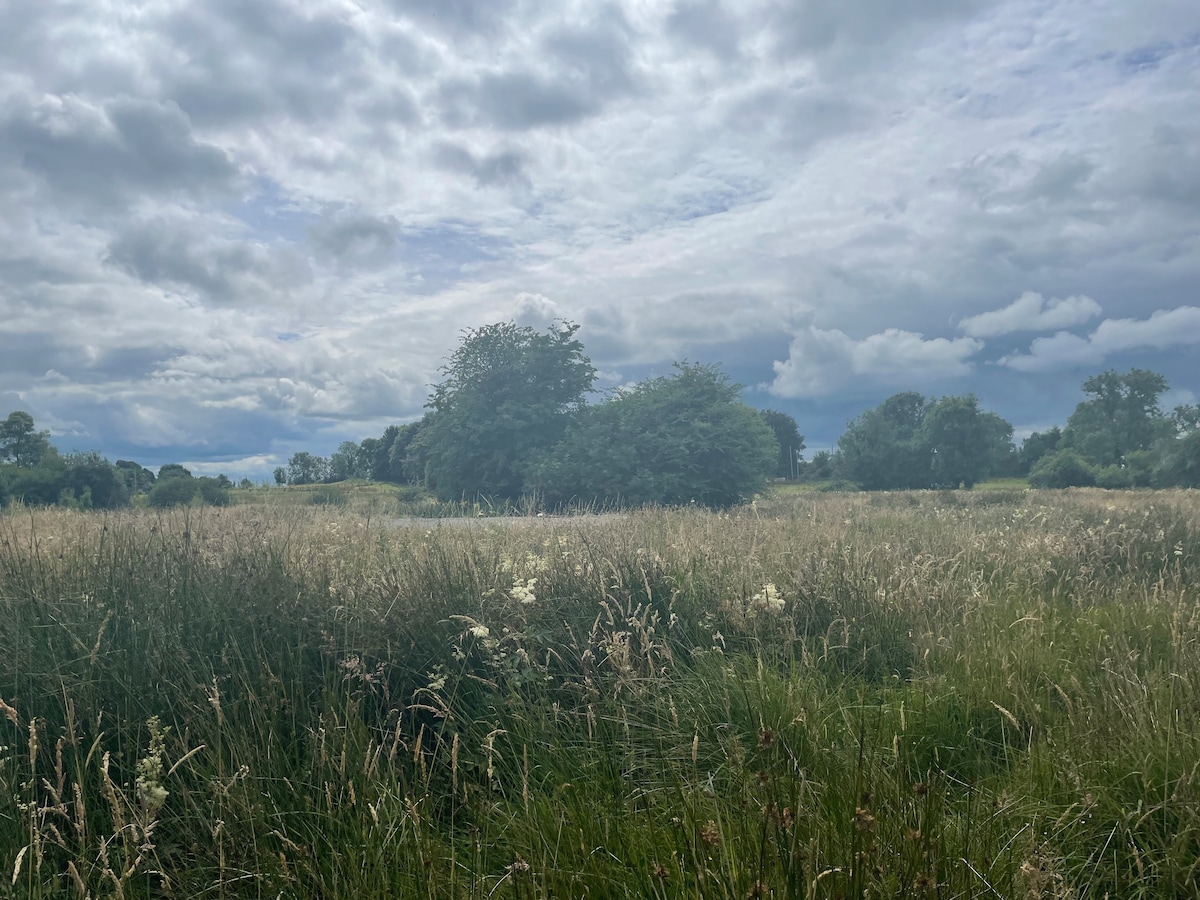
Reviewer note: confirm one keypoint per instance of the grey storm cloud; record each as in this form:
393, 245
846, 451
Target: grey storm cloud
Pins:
225, 272
103, 153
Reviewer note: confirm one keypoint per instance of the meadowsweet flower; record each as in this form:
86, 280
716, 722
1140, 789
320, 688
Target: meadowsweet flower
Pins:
769, 599
480, 632
522, 590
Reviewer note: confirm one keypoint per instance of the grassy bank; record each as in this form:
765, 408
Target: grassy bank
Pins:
909, 695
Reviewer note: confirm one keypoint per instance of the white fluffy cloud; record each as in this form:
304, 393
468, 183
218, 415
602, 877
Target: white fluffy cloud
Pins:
822, 361
1030, 312
1164, 330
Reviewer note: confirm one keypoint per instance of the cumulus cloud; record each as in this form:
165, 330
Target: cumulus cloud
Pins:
1164, 330
821, 361
103, 153
1031, 312
183, 253
706, 24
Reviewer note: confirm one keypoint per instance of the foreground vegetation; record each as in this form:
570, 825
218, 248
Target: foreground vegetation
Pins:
993, 694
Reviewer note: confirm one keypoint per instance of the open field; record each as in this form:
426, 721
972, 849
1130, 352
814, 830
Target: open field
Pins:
988, 694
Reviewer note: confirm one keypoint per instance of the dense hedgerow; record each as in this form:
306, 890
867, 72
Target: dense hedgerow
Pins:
893, 695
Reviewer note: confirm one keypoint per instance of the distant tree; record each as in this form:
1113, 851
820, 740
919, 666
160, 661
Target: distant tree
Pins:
280, 475
1177, 463
1121, 415
214, 491
820, 468
245, 484
1186, 419
304, 468
173, 470
349, 462
1062, 469
506, 398
883, 448
39, 485
791, 441
386, 454
1034, 447
672, 440
965, 444
138, 479
21, 444
91, 476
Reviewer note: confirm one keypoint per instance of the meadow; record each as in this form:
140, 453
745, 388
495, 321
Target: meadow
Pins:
951, 695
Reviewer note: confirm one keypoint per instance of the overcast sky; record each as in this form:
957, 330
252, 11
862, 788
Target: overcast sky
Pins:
233, 229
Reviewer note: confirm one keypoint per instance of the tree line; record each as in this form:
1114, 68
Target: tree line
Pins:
33, 471
511, 418
1117, 437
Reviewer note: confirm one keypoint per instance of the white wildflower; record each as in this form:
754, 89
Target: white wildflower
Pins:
768, 599
522, 590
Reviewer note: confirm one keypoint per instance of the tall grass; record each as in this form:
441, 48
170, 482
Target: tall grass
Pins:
960, 695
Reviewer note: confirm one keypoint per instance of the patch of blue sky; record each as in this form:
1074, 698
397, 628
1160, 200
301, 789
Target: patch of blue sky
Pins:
445, 254
1147, 58
271, 214
288, 337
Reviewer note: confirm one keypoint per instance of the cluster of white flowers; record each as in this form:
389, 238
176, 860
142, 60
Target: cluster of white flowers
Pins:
768, 600
479, 631
522, 590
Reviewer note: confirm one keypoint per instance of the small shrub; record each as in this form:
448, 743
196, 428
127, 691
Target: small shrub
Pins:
1063, 469
175, 491
1114, 478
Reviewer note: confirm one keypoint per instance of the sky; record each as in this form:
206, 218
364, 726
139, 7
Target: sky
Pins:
232, 230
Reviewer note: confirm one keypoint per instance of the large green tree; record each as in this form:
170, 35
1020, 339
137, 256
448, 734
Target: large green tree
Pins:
1120, 416
966, 444
883, 449
908, 442
94, 482
671, 440
350, 461
304, 468
20, 442
506, 398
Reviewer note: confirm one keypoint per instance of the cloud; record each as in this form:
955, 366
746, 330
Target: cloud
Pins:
184, 253
501, 169
582, 68
102, 153
1163, 330
1030, 312
359, 239
821, 361
706, 24
815, 26
456, 17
